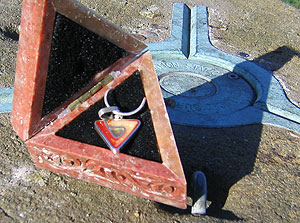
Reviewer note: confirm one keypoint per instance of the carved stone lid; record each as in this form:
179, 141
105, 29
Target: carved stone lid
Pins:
64, 36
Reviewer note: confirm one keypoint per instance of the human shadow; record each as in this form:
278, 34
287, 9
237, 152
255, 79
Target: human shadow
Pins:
225, 155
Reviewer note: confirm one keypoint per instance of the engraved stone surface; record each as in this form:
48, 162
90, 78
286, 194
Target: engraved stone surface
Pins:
187, 84
203, 90
204, 86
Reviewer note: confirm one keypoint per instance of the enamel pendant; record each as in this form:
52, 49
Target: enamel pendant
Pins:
116, 133
114, 130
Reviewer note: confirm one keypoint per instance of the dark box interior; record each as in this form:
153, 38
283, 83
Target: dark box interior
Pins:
127, 97
77, 54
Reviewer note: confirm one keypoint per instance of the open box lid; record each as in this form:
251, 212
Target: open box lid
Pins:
32, 123
37, 29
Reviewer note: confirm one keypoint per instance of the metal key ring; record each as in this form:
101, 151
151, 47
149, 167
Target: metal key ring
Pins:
117, 111
107, 113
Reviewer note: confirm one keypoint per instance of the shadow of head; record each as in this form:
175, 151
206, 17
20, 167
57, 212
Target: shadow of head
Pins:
274, 60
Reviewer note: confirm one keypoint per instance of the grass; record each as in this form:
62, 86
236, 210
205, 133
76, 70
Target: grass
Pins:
295, 3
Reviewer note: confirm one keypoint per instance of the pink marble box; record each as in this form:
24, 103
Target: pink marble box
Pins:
160, 181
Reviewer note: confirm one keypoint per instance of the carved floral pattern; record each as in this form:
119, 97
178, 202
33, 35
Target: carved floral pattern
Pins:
137, 182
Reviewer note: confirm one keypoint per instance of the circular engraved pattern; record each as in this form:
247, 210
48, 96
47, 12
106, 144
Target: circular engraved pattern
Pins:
187, 84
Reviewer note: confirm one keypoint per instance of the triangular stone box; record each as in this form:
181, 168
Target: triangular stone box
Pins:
37, 25
163, 182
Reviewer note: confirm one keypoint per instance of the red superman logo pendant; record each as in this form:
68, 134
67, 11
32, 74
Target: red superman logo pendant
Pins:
116, 133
